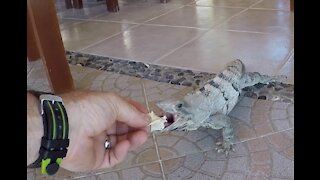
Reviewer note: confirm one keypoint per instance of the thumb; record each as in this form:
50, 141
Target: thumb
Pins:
127, 113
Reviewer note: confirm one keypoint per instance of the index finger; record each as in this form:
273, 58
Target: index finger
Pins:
127, 113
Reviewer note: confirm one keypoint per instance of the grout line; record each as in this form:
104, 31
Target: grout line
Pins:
286, 61
245, 9
30, 70
135, 23
158, 154
104, 56
255, 32
99, 172
145, 95
184, 44
165, 25
135, 60
271, 9
102, 20
265, 135
93, 44
206, 150
214, 6
197, 37
164, 13
153, 135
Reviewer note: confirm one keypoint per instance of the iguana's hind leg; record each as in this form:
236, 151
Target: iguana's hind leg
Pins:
221, 121
252, 78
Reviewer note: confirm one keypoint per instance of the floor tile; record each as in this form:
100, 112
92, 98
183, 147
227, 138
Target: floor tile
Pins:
67, 23
84, 13
257, 163
144, 43
84, 34
226, 3
196, 16
137, 13
149, 171
262, 53
274, 4
267, 21
288, 70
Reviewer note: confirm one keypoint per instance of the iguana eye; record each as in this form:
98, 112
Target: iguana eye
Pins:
179, 105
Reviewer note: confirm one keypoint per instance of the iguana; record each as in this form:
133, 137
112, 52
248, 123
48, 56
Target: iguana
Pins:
209, 105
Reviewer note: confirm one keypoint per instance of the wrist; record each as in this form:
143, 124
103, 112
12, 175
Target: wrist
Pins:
48, 130
34, 128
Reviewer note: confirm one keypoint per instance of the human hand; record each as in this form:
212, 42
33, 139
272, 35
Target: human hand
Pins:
96, 116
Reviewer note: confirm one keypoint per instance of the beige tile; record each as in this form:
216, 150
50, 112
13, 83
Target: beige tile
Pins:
30, 175
280, 141
37, 77
144, 154
182, 2
243, 132
137, 13
84, 34
84, 13
226, 3
274, 4
148, 171
177, 144
204, 165
111, 175
61, 174
257, 145
263, 53
126, 86
267, 21
154, 2
88, 178
288, 70
144, 43
282, 166
196, 16
66, 23
263, 128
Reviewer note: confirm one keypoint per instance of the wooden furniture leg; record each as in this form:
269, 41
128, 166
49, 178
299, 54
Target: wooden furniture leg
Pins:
77, 4
68, 4
32, 49
164, 1
47, 34
112, 5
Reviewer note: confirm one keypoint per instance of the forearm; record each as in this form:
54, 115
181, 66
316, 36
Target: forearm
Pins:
34, 128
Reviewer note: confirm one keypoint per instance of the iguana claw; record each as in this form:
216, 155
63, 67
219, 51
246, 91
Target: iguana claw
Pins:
225, 147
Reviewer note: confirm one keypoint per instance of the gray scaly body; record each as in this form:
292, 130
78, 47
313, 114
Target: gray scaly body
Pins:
209, 105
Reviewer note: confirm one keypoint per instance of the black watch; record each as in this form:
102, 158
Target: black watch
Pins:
54, 142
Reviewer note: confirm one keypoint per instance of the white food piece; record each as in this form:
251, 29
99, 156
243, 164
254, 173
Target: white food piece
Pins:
157, 123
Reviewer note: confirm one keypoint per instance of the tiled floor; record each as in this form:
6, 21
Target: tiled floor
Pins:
263, 129
199, 35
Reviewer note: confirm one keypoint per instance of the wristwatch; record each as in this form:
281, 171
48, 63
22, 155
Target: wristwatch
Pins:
54, 142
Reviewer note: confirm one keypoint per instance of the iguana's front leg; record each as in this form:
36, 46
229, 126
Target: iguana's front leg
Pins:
221, 121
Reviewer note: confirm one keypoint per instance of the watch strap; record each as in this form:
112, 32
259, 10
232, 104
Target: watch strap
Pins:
55, 140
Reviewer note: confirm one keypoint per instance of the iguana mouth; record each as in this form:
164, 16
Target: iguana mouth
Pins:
170, 119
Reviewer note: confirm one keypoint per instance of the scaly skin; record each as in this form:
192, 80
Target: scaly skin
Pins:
209, 105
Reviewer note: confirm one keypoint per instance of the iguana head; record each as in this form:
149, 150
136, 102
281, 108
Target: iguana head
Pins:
177, 114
